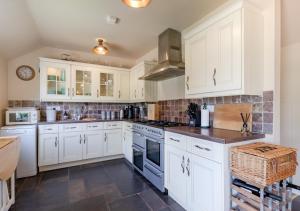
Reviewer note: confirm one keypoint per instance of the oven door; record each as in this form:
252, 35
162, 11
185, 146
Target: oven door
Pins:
155, 153
139, 139
138, 158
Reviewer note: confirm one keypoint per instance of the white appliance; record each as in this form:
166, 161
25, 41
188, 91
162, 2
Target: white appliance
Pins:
51, 115
22, 116
27, 165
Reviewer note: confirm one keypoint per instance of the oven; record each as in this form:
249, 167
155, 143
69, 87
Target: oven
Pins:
138, 149
155, 152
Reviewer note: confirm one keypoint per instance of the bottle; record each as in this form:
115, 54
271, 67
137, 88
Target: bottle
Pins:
121, 113
204, 116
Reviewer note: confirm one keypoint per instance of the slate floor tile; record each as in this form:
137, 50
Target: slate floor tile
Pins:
131, 203
77, 190
152, 199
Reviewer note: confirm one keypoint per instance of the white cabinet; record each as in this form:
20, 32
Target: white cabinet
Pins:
55, 78
83, 82
70, 147
204, 192
127, 145
222, 57
113, 142
141, 90
48, 149
80, 82
175, 177
93, 144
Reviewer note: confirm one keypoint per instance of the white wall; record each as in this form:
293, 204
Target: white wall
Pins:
3, 88
29, 90
290, 77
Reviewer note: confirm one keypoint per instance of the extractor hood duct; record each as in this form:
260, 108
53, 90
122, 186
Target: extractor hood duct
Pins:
170, 63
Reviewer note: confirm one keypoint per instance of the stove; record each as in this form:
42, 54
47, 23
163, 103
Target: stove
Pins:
148, 142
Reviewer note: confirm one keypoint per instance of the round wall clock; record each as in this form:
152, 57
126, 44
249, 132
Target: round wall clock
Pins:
25, 73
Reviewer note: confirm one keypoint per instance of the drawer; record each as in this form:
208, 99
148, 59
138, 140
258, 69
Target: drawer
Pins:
176, 140
46, 129
76, 127
205, 149
112, 125
94, 126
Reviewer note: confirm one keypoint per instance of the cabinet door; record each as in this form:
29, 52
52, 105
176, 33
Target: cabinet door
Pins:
107, 85
113, 142
227, 72
198, 54
133, 85
93, 144
205, 189
140, 71
175, 176
124, 88
48, 149
70, 147
127, 146
55, 79
83, 83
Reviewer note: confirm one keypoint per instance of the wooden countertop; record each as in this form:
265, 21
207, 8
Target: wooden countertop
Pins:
216, 135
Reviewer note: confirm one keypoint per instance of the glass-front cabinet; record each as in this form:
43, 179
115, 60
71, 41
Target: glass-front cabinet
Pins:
83, 82
107, 87
55, 81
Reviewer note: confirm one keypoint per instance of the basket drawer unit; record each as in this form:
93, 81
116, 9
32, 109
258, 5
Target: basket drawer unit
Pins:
46, 129
263, 164
75, 127
94, 126
112, 125
176, 140
205, 149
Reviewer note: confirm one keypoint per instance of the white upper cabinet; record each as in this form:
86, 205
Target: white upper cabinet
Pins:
55, 81
222, 56
141, 90
79, 82
83, 82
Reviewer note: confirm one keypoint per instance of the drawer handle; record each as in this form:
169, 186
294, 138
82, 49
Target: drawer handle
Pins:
182, 164
92, 126
49, 129
70, 127
173, 139
203, 148
56, 140
188, 167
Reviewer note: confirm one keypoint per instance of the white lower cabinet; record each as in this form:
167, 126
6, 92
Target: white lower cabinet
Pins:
127, 146
112, 142
93, 144
48, 149
204, 184
70, 147
175, 177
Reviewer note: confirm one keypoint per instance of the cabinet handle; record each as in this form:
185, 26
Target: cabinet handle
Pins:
173, 139
84, 138
119, 94
214, 76
97, 93
188, 167
202, 148
142, 92
187, 83
135, 93
80, 139
182, 164
73, 91
105, 137
56, 140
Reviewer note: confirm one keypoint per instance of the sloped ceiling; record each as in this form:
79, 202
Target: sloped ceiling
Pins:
75, 24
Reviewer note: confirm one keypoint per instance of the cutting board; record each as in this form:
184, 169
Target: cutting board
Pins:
228, 116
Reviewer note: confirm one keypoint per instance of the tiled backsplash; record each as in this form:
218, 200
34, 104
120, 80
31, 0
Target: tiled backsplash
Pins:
175, 110
171, 110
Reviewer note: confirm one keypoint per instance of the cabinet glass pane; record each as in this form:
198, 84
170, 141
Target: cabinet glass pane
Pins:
87, 77
79, 76
110, 91
61, 88
51, 87
51, 74
87, 90
79, 89
103, 90
103, 78
61, 75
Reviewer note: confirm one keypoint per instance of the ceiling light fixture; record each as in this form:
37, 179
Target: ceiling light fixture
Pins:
137, 3
100, 49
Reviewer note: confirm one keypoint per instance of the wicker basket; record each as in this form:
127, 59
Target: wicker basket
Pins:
263, 164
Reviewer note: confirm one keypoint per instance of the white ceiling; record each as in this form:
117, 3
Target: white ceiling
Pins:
75, 24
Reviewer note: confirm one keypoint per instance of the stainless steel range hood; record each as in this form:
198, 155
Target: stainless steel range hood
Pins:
170, 63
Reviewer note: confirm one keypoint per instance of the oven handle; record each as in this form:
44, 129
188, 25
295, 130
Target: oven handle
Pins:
137, 148
147, 167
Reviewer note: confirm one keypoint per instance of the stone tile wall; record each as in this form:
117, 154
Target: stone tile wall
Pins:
170, 110
175, 110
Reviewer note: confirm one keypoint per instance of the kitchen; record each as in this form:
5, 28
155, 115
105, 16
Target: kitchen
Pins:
106, 116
